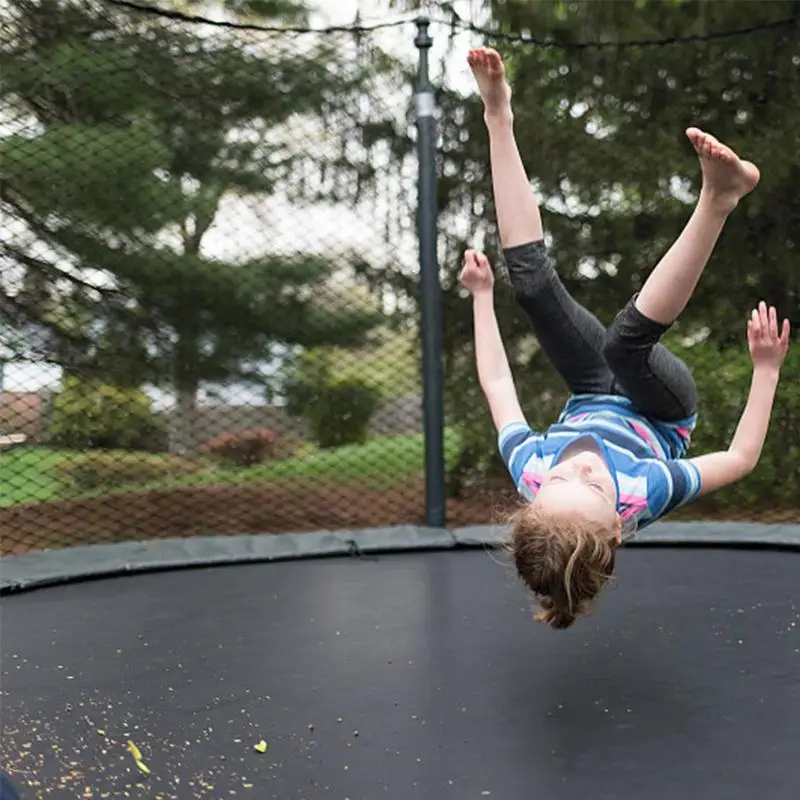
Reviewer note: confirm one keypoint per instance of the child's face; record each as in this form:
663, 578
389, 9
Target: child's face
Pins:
580, 484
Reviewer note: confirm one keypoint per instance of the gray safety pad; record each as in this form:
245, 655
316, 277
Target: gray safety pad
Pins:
46, 568
735, 534
39, 569
481, 535
732, 534
400, 538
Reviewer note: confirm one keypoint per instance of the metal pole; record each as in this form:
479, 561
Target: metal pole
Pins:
431, 290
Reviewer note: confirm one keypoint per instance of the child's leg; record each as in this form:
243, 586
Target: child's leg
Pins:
657, 381
726, 179
570, 335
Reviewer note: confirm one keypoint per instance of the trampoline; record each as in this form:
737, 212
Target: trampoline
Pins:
402, 665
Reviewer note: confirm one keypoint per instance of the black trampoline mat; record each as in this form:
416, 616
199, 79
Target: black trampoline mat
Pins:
422, 675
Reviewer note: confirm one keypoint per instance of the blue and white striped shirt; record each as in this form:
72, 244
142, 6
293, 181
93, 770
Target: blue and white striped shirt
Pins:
644, 456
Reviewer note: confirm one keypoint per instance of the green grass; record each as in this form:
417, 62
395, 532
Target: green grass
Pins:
380, 457
31, 475
28, 475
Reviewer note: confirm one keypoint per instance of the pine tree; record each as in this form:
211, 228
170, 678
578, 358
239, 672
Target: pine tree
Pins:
129, 131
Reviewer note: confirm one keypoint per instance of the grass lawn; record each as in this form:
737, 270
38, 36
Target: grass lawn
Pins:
27, 474
31, 475
381, 457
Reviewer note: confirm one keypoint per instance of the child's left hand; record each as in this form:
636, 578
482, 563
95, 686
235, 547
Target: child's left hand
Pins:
476, 275
768, 345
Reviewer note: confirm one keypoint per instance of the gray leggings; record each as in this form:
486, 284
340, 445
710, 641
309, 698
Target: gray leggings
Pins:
626, 359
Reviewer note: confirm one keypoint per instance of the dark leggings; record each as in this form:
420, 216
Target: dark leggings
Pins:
625, 359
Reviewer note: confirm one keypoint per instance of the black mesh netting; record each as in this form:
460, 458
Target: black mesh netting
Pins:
208, 253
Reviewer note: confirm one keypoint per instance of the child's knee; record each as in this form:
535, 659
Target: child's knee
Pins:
529, 267
631, 332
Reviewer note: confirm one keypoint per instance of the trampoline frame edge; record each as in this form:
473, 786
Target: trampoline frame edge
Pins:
89, 562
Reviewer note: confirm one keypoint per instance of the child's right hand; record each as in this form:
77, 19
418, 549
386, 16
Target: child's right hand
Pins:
768, 345
476, 275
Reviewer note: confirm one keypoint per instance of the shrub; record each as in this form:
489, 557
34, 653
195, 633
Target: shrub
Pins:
108, 470
337, 411
244, 449
342, 413
91, 415
723, 380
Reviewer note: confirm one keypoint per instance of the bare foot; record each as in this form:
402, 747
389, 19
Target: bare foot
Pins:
487, 67
726, 178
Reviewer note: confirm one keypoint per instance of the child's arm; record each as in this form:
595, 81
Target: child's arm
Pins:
494, 372
768, 348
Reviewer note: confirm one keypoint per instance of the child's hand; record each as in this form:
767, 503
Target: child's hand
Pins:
476, 275
768, 346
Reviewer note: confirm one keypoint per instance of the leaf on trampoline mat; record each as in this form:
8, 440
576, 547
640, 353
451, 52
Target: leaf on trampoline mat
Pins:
137, 757
261, 747
143, 767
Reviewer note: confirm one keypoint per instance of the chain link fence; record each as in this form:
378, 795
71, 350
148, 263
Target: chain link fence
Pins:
209, 264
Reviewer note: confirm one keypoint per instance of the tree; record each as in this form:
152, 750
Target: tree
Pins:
134, 130
601, 132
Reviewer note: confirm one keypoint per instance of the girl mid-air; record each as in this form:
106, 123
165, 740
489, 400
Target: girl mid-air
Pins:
615, 460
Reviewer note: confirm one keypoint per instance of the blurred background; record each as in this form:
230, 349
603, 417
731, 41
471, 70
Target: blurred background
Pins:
209, 270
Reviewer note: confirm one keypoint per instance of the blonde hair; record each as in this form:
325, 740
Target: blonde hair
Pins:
564, 561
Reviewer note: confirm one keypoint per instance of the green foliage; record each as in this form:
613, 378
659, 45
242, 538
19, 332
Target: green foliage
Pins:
91, 471
138, 131
51, 172
342, 413
89, 414
338, 411
388, 356
723, 380
30, 475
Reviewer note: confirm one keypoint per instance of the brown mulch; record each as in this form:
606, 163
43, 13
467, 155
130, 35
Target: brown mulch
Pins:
269, 508
277, 507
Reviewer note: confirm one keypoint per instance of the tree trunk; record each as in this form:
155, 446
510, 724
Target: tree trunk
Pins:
184, 435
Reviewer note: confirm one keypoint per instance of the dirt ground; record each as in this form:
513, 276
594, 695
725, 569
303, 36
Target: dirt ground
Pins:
293, 506
196, 511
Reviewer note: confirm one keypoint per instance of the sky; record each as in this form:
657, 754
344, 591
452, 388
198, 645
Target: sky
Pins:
241, 227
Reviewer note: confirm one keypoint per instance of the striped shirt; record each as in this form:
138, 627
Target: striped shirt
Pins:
644, 456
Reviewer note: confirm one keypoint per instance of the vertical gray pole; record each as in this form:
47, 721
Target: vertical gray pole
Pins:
430, 288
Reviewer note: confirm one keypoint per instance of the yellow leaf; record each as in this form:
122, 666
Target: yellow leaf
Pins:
143, 767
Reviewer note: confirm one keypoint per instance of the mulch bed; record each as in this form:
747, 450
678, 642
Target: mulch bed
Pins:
205, 510
277, 507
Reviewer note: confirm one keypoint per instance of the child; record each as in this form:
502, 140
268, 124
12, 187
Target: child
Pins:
614, 462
